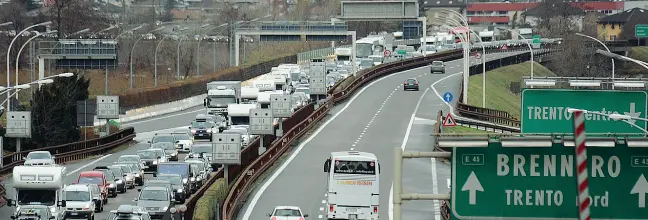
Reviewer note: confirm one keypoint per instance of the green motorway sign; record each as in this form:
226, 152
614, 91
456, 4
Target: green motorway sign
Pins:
401, 52
536, 39
545, 110
641, 30
498, 182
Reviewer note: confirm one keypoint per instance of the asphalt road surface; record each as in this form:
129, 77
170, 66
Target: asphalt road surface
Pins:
379, 118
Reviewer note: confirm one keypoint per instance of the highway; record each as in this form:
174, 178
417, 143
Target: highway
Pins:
146, 128
378, 118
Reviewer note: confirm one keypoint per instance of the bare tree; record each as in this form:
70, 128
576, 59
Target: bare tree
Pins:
557, 18
73, 15
578, 59
16, 12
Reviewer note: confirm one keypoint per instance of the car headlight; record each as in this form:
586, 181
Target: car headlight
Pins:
179, 190
52, 210
184, 180
119, 181
193, 179
111, 185
87, 206
199, 179
129, 178
137, 175
174, 153
209, 130
165, 208
155, 162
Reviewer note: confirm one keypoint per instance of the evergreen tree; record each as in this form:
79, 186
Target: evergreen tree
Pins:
54, 111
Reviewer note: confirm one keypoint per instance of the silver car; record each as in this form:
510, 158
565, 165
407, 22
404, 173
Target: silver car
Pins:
80, 204
39, 158
156, 201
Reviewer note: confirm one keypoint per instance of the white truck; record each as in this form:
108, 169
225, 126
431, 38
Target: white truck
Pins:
249, 95
343, 54
220, 94
44, 185
264, 85
280, 81
239, 114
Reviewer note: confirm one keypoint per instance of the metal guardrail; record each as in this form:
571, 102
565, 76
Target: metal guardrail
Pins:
73, 151
253, 171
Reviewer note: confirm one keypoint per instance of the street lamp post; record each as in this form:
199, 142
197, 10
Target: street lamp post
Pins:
198, 47
6, 23
9, 52
617, 56
23, 47
614, 116
604, 46
157, 47
527, 43
133, 49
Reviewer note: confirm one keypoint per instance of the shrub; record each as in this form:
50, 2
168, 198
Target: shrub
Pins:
93, 131
205, 206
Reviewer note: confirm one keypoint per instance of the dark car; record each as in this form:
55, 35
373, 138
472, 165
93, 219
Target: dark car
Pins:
169, 150
180, 189
411, 84
437, 67
151, 158
181, 168
202, 129
114, 183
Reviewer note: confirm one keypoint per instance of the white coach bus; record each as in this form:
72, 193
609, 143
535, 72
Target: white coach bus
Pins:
353, 185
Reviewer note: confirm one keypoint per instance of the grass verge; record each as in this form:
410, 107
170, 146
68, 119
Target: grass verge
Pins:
639, 53
462, 129
206, 205
498, 84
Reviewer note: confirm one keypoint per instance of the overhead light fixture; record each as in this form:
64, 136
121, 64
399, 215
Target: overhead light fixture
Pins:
533, 141
629, 84
449, 142
637, 142
585, 83
591, 142
539, 82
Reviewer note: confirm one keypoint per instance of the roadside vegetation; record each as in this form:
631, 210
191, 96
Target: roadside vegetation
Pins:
462, 129
206, 205
498, 87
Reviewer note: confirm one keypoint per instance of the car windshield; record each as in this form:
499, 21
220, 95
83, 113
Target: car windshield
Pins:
134, 167
128, 159
201, 149
41, 155
154, 195
411, 80
201, 124
182, 136
77, 196
197, 166
287, 212
91, 180
126, 169
160, 184
175, 180
146, 154
109, 175
174, 168
164, 146
162, 138
117, 171
437, 63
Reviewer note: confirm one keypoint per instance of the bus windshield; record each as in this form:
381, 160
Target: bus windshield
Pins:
354, 167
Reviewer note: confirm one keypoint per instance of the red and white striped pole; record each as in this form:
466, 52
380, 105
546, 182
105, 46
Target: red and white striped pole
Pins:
581, 161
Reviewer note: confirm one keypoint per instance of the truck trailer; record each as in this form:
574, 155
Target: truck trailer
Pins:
220, 94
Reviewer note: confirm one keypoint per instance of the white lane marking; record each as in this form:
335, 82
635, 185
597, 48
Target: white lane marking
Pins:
321, 208
320, 216
84, 166
274, 176
323, 201
439, 95
351, 148
448, 181
435, 189
163, 117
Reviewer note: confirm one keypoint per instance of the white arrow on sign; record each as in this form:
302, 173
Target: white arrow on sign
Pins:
472, 186
641, 188
448, 96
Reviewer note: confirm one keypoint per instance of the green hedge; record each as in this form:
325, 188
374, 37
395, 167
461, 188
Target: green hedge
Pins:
205, 206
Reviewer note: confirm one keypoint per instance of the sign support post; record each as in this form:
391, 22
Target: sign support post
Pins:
261, 123
581, 161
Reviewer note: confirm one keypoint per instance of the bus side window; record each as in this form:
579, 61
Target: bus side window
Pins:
379, 168
327, 165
